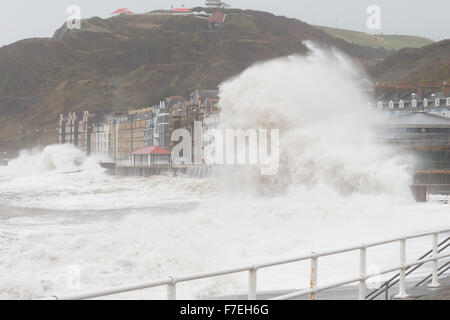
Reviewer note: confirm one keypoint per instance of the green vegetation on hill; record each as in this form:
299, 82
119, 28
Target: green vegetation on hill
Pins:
388, 42
136, 60
430, 64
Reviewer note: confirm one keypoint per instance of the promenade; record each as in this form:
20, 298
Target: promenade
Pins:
351, 293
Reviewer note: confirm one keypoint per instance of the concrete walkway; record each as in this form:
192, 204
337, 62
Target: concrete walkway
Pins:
425, 293
351, 293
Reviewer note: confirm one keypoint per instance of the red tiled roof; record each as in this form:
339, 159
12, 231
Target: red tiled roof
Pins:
123, 10
181, 10
152, 150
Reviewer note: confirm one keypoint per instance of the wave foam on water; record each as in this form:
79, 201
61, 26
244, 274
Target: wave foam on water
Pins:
336, 186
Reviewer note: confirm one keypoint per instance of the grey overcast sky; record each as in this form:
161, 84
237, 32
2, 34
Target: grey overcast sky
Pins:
20, 19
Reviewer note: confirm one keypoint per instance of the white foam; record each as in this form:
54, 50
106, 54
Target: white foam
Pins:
336, 186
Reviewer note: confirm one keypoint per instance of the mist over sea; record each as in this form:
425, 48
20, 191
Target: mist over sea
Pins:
336, 186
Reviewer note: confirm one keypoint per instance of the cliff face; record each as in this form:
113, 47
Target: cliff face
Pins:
133, 61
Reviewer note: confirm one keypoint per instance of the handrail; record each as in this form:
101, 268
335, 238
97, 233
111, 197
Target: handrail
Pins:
429, 276
389, 283
352, 280
172, 281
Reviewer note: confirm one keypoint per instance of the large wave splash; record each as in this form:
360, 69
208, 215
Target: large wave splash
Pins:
50, 159
327, 138
336, 186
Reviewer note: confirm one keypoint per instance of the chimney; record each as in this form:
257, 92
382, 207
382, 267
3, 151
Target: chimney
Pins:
445, 89
420, 92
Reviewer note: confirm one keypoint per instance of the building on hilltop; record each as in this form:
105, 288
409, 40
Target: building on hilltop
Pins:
123, 11
217, 20
215, 4
181, 11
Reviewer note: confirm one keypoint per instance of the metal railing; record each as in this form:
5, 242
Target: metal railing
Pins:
171, 281
394, 280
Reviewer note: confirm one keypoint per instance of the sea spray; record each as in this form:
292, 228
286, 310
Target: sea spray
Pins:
325, 122
39, 161
336, 186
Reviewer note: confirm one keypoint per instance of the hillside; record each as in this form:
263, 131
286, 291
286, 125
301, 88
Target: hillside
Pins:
133, 61
388, 42
430, 64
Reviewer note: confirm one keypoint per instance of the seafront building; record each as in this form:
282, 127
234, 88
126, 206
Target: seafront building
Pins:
404, 99
215, 4
133, 132
118, 136
150, 156
418, 123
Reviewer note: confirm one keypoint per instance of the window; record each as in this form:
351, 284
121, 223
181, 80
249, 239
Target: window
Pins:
437, 102
448, 101
380, 105
414, 103
391, 104
425, 102
401, 104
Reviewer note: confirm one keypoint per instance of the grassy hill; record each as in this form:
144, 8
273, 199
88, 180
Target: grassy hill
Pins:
388, 42
133, 61
430, 64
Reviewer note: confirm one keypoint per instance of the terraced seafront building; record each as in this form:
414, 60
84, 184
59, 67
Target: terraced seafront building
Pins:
116, 136
404, 99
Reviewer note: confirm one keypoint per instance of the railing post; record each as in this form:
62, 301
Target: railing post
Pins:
172, 289
362, 273
402, 275
313, 280
386, 288
434, 277
252, 281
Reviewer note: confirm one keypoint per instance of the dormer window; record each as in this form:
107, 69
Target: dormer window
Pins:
425, 102
391, 104
401, 104
380, 105
437, 102
414, 103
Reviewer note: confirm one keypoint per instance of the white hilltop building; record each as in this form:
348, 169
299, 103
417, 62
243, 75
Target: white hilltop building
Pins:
216, 4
